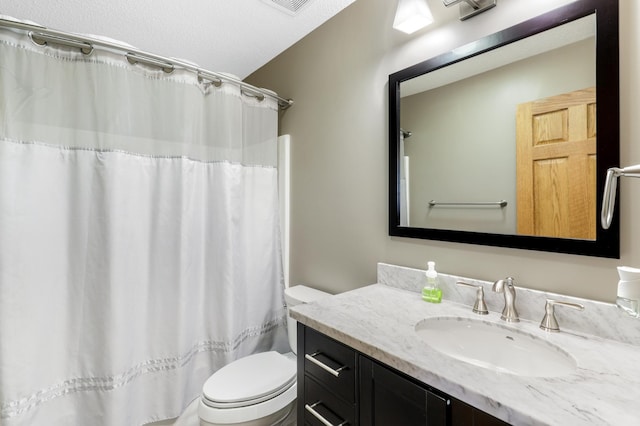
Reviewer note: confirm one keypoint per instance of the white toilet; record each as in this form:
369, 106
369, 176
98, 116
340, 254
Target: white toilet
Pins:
256, 390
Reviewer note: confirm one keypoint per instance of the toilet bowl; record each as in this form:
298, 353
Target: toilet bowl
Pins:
256, 390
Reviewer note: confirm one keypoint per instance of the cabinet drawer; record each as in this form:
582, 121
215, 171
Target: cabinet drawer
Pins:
321, 403
330, 363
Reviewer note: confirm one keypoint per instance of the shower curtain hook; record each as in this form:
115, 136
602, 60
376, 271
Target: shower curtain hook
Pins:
208, 80
44, 40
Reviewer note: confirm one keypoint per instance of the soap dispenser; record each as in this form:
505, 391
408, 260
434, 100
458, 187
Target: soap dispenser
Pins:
431, 291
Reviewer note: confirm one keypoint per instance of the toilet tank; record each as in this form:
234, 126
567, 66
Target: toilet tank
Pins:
295, 296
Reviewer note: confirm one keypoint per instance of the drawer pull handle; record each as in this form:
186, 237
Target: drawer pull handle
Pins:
314, 413
324, 366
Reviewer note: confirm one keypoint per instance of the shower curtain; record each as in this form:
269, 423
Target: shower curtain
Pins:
404, 185
139, 235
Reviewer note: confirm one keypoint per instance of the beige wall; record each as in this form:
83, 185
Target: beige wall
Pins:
338, 78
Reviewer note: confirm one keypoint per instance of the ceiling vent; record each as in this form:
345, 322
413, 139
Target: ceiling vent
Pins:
290, 7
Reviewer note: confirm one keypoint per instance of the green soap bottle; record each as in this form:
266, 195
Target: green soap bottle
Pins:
432, 292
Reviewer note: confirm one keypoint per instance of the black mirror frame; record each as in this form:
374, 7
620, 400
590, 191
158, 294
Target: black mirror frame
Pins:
607, 242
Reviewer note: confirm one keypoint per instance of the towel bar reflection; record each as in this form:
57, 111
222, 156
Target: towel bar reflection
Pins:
501, 204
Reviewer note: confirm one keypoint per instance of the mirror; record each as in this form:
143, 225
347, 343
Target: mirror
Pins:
506, 141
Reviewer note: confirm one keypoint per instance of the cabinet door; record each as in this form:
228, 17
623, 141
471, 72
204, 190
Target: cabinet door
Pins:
389, 398
465, 415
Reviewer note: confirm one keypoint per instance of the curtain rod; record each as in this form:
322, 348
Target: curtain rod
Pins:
42, 35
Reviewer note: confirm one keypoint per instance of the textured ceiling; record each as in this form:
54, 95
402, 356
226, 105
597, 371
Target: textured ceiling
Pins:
234, 36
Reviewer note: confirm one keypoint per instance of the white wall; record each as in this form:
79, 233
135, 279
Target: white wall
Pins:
338, 78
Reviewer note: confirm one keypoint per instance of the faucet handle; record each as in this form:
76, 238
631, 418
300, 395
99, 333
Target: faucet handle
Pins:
480, 307
549, 322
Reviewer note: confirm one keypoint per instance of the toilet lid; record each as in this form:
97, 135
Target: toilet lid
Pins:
250, 379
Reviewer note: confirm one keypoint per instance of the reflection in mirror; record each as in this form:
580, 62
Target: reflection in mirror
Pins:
471, 124
503, 147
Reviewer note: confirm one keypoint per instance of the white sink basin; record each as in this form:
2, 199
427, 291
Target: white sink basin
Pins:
496, 347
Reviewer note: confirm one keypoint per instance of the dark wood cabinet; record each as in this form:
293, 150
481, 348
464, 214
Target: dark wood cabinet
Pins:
326, 380
388, 397
465, 415
339, 386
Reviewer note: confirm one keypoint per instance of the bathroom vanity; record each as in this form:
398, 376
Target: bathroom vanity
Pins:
361, 360
339, 385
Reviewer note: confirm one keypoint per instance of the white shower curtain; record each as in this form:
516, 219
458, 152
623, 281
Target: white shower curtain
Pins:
404, 185
139, 236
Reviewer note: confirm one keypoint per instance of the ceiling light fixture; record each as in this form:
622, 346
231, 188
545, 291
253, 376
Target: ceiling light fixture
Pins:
471, 8
412, 15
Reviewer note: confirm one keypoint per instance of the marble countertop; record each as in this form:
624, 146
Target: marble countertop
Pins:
379, 321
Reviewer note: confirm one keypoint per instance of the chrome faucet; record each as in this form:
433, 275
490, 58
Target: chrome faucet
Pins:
509, 313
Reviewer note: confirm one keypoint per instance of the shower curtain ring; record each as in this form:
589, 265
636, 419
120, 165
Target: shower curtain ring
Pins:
45, 39
217, 82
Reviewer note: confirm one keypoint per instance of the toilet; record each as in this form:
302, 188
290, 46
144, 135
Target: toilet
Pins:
256, 390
